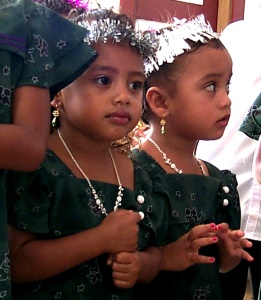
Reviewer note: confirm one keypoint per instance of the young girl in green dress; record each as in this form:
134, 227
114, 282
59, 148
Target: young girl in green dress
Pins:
187, 100
33, 59
74, 231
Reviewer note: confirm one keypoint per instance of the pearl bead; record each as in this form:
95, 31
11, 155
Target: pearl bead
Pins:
226, 189
140, 199
225, 202
141, 215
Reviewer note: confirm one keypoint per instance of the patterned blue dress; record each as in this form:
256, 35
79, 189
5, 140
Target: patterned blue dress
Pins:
37, 47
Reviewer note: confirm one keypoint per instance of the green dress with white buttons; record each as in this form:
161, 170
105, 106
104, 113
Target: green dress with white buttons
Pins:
52, 203
194, 200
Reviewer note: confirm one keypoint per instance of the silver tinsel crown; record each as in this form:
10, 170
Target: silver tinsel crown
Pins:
115, 31
173, 40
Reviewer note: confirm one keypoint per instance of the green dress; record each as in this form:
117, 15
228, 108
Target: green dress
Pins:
251, 125
37, 47
194, 200
52, 203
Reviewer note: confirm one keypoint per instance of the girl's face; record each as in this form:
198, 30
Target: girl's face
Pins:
105, 103
200, 106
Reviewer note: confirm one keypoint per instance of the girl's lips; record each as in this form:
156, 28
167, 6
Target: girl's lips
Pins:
120, 117
224, 121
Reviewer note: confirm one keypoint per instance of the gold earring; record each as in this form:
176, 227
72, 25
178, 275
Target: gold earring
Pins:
55, 116
162, 123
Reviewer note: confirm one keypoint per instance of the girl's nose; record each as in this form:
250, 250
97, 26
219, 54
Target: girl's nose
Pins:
225, 100
228, 101
122, 96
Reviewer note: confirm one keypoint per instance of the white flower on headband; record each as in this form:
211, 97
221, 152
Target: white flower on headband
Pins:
177, 21
173, 40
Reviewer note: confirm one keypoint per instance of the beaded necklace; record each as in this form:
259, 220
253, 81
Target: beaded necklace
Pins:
98, 201
173, 166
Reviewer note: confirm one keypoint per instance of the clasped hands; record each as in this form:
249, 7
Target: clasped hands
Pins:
184, 252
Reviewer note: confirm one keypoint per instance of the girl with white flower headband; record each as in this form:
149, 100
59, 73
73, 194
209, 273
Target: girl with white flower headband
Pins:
81, 226
187, 101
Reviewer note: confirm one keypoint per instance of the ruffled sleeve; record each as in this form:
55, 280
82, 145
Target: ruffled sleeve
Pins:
152, 184
229, 206
29, 196
52, 47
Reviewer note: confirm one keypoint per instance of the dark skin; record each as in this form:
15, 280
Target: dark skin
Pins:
24, 141
199, 80
115, 80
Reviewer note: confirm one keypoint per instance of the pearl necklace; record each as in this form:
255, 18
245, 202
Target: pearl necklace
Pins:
171, 164
94, 193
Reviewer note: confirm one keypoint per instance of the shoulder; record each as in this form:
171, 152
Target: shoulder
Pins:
45, 175
150, 170
228, 186
152, 184
226, 177
147, 161
220, 174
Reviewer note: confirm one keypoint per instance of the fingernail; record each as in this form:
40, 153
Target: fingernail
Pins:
212, 225
212, 259
214, 238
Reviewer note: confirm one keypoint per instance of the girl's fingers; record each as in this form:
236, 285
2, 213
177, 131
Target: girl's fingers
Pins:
200, 259
123, 284
201, 242
246, 243
200, 231
245, 255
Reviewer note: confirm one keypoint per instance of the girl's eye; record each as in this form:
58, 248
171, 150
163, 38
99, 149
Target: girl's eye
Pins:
228, 87
104, 80
211, 87
137, 85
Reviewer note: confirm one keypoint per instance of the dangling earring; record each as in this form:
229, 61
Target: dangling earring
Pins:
162, 123
55, 116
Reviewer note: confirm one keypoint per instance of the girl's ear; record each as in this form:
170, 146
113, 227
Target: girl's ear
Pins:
57, 100
158, 101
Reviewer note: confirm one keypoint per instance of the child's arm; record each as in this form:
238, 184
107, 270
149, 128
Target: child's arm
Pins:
23, 143
231, 244
183, 253
257, 162
128, 268
33, 259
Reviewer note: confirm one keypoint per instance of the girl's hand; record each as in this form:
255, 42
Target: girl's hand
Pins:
120, 231
231, 242
183, 253
125, 268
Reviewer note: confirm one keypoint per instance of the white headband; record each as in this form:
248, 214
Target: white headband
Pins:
173, 40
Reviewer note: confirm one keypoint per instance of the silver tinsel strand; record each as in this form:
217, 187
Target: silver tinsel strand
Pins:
105, 30
173, 40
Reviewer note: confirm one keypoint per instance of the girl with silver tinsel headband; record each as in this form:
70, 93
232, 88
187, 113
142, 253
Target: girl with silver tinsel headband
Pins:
187, 101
